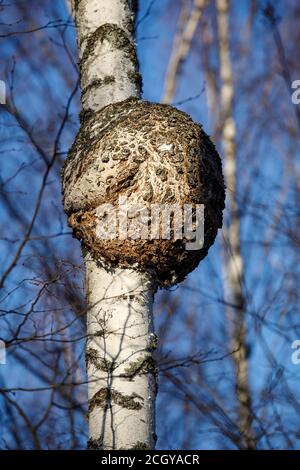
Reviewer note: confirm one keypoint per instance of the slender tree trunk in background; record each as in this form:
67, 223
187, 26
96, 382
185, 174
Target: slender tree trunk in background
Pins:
182, 45
234, 266
120, 366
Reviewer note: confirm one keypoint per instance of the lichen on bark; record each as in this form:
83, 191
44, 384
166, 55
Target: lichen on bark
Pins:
95, 444
144, 365
116, 37
92, 357
140, 446
106, 396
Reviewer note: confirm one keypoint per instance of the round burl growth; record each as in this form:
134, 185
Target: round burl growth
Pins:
149, 155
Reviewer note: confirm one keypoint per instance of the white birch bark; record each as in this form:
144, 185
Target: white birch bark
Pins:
121, 370
120, 366
235, 265
108, 64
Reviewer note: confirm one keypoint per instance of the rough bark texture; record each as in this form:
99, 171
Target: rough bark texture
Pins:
150, 154
234, 266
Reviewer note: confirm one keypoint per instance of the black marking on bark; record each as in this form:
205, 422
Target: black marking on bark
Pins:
76, 4
106, 396
95, 444
92, 357
136, 77
143, 365
99, 333
140, 446
99, 82
85, 115
116, 36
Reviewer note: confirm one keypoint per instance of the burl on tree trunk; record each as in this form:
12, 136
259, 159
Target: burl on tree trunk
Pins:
146, 154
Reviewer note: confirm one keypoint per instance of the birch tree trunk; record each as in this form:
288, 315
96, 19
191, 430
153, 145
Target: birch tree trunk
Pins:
120, 366
235, 266
121, 370
148, 154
